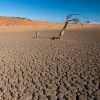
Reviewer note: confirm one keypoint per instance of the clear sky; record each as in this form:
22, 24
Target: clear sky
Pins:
51, 10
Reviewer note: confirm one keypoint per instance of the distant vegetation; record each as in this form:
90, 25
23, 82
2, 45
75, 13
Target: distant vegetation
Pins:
15, 18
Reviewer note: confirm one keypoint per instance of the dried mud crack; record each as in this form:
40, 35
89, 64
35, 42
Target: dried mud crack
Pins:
46, 69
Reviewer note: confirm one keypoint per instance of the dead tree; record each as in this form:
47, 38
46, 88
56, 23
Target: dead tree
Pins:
37, 34
68, 20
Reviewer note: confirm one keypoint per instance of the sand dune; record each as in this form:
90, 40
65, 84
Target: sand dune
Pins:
10, 23
24, 24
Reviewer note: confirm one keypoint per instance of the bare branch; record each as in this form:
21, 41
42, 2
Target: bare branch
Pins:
70, 15
75, 20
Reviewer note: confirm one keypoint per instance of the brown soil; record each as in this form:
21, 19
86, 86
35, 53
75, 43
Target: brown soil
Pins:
47, 69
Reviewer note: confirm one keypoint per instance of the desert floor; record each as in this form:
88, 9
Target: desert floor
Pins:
47, 69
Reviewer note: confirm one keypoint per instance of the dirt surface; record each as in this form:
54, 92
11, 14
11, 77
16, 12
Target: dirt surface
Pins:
47, 69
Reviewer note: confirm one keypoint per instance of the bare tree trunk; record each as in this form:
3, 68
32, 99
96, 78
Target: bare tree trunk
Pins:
63, 30
68, 20
37, 34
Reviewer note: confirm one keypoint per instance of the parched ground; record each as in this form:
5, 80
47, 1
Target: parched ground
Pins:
47, 69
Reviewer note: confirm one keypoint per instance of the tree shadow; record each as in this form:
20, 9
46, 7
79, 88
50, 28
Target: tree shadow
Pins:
54, 38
